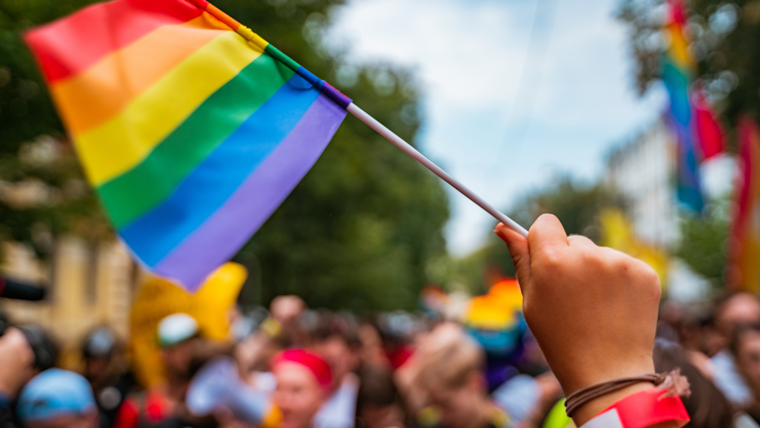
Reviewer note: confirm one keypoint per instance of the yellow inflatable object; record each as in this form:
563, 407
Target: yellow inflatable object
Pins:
158, 298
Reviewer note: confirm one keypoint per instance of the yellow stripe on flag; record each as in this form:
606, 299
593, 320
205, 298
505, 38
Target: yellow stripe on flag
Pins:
123, 142
679, 47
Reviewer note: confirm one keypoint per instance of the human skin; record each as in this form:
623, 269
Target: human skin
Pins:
593, 310
748, 357
298, 395
465, 406
341, 358
16, 362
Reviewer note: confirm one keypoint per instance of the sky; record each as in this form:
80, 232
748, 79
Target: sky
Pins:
516, 92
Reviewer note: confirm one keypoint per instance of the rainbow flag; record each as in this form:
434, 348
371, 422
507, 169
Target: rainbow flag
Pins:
191, 130
744, 242
697, 132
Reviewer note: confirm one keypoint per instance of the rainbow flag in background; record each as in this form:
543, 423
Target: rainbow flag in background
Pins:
744, 242
191, 135
698, 134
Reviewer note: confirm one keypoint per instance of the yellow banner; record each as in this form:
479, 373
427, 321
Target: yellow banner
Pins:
617, 233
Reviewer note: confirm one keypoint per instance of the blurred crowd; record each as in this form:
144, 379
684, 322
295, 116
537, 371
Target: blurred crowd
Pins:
290, 366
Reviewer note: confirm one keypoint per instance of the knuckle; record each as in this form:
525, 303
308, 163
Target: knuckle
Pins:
551, 260
590, 257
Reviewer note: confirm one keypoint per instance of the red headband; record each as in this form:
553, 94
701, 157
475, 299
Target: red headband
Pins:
316, 365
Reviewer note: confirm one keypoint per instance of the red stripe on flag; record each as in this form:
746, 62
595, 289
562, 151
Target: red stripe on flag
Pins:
70, 45
709, 132
708, 129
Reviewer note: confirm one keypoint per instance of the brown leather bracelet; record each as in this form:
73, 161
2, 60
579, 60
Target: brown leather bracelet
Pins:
672, 382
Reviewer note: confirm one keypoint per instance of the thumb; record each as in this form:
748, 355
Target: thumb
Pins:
519, 250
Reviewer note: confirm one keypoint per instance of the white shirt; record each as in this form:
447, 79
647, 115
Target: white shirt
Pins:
339, 410
729, 381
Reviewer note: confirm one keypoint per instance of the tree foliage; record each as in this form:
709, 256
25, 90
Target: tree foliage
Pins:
704, 239
42, 189
359, 230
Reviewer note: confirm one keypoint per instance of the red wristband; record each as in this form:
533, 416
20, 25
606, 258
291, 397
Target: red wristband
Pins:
640, 410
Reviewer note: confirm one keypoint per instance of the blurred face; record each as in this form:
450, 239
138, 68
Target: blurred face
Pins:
95, 368
339, 356
381, 417
250, 352
459, 406
748, 358
741, 309
285, 309
177, 358
89, 420
298, 395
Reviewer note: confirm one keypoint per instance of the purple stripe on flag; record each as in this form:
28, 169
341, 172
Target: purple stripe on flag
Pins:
219, 237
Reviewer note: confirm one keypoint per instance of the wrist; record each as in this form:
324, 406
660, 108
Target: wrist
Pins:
587, 374
596, 406
651, 408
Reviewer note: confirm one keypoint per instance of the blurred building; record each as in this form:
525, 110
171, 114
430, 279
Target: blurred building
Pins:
88, 286
643, 172
89, 282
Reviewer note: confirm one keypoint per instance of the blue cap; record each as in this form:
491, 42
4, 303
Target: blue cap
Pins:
54, 393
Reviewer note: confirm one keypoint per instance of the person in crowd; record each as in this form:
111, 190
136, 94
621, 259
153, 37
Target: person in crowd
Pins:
303, 385
287, 310
378, 403
737, 310
57, 399
16, 369
707, 406
163, 404
336, 340
107, 373
373, 354
453, 378
255, 352
746, 348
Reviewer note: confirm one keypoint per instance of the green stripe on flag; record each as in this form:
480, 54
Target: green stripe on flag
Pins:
137, 191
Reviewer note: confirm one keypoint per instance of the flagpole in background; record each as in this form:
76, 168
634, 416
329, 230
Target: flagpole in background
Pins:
360, 114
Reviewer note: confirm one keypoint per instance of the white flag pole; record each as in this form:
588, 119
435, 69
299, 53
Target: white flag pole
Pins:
419, 157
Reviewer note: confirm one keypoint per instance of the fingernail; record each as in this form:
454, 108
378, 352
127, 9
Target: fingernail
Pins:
500, 235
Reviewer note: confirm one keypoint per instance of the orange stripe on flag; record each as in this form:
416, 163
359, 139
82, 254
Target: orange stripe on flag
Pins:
102, 91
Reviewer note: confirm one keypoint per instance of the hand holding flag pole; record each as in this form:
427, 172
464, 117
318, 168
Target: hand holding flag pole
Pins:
360, 114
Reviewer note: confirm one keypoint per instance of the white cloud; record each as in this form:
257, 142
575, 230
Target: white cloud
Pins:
470, 56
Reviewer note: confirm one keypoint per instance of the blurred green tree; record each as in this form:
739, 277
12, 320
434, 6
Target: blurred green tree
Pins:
703, 245
42, 189
576, 204
357, 233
